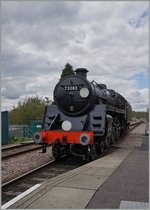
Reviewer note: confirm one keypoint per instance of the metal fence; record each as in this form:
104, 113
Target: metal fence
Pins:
20, 131
9, 131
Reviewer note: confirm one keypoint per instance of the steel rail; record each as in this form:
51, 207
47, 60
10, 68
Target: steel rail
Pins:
4, 157
135, 125
9, 147
19, 152
27, 173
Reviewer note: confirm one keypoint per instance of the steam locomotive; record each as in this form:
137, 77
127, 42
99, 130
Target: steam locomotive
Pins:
85, 118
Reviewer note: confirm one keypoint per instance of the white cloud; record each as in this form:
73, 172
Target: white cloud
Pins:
103, 37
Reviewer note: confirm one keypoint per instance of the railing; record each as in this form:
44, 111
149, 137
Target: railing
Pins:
20, 131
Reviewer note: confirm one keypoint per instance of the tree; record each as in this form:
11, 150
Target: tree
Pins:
31, 108
141, 114
68, 70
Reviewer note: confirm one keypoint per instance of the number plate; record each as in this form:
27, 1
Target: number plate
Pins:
71, 88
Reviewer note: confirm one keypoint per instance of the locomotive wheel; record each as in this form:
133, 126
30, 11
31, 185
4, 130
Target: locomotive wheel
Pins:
56, 150
102, 147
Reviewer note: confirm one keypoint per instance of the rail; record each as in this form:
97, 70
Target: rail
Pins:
18, 150
27, 173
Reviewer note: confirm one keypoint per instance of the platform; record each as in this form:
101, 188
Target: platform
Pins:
118, 180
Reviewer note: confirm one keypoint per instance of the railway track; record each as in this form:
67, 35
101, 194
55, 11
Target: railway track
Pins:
45, 172
49, 170
19, 149
134, 125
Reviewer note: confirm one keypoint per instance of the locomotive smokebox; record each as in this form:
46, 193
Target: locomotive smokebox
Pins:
82, 72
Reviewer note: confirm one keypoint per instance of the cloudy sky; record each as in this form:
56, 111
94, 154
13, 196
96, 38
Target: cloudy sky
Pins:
110, 39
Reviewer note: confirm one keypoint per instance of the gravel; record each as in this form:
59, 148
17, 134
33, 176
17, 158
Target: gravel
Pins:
16, 166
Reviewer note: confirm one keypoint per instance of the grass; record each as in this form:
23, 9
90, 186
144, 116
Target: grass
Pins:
14, 140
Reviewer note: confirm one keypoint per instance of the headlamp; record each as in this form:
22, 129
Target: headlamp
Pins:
84, 139
37, 137
66, 125
84, 92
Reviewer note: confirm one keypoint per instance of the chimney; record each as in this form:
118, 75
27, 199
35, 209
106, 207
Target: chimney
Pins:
82, 72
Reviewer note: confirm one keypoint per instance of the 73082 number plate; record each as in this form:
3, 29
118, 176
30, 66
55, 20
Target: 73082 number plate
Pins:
71, 87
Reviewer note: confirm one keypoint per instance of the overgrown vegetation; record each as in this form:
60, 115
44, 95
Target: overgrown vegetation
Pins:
138, 115
31, 108
14, 140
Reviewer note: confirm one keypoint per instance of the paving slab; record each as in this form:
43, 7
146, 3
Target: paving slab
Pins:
82, 181
62, 197
99, 171
32, 197
106, 164
110, 161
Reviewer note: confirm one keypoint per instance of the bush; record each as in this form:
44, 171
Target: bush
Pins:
15, 140
29, 109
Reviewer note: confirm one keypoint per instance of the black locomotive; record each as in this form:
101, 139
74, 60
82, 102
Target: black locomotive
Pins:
85, 118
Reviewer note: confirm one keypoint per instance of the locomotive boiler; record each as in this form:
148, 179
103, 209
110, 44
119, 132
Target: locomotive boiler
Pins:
85, 118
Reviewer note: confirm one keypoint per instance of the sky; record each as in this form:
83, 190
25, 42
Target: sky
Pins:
109, 38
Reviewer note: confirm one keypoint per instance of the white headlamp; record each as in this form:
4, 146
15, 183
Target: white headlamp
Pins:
66, 125
84, 92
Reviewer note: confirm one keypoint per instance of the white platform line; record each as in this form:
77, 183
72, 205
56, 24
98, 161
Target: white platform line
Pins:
14, 200
133, 205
